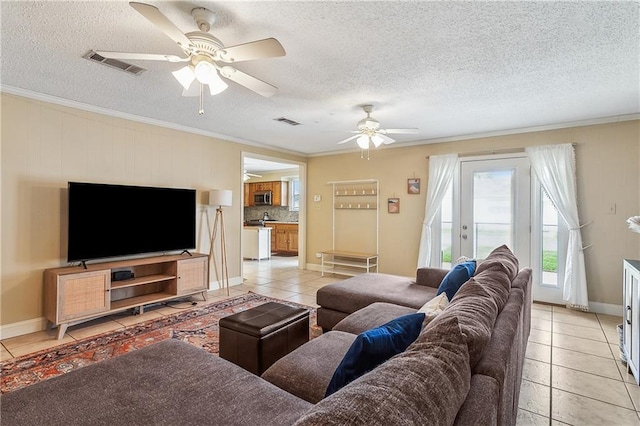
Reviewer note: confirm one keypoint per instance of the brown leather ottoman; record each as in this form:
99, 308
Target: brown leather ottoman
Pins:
256, 338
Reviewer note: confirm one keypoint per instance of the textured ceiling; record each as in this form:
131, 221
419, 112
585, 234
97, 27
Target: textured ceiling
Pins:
448, 68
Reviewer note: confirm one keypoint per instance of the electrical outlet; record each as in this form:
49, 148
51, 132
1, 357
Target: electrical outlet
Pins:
317, 198
319, 255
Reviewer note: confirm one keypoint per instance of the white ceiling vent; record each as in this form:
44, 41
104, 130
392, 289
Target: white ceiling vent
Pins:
114, 63
286, 120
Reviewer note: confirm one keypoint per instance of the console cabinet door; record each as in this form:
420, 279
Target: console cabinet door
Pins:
84, 294
192, 275
631, 316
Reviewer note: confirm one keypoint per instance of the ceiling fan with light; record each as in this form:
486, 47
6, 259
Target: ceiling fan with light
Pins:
248, 176
207, 57
370, 133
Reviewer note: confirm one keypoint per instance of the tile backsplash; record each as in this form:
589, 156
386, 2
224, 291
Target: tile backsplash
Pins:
282, 214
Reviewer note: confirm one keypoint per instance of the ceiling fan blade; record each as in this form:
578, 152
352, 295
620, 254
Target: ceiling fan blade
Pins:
402, 131
165, 25
386, 139
141, 56
250, 82
267, 48
349, 138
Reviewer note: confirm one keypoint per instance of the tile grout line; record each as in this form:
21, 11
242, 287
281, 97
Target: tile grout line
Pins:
624, 383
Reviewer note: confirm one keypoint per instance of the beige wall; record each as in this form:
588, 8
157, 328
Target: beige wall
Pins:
608, 172
46, 145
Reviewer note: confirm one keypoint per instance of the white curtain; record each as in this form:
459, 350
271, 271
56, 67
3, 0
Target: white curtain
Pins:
554, 165
441, 168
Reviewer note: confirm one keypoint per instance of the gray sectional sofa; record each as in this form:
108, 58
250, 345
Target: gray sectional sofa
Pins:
464, 368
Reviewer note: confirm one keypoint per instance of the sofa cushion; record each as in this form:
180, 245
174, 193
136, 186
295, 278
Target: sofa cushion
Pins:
375, 346
167, 383
500, 258
307, 371
481, 406
457, 276
497, 284
476, 311
374, 315
433, 308
426, 384
362, 290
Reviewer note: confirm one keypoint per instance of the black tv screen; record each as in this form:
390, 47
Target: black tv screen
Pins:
119, 220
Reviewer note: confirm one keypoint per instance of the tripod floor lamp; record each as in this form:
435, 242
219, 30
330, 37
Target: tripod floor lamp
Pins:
219, 198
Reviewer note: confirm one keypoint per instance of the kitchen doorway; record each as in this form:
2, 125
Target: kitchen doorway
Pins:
273, 213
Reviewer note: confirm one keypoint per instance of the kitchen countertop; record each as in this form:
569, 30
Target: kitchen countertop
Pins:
278, 221
271, 221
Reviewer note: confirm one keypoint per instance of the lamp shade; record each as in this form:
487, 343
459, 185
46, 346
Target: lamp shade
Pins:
220, 197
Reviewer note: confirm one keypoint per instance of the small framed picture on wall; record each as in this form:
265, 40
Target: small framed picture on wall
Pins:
413, 186
393, 205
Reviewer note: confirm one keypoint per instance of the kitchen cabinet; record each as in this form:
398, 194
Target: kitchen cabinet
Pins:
248, 194
279, 192
286, 238
631, 316
263, 186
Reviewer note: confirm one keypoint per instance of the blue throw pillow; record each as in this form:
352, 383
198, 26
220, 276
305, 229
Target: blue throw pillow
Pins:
457, 276
373, 347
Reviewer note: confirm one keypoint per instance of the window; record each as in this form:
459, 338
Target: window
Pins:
294, 195
550, 239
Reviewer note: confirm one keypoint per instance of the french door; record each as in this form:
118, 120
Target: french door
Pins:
494, 208
495, 201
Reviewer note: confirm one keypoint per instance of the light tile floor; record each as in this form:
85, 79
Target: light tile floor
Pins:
572, 373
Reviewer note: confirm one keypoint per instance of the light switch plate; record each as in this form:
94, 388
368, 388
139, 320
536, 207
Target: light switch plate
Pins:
317, 198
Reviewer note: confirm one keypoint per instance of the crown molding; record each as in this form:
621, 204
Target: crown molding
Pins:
556, 126
132, 117
113, 113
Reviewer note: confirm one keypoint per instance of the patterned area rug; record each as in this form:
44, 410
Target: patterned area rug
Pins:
197, 326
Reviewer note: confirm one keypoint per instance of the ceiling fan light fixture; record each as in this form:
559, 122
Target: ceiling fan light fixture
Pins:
185, 76
363, 142
368, 123
216, 85
377, 140
205, 72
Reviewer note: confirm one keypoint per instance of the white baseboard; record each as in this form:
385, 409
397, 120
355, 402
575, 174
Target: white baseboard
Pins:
38, 324
605, 308
217, 285
23, 327
314, 267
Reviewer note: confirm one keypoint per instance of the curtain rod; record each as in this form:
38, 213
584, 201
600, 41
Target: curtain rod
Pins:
494, 152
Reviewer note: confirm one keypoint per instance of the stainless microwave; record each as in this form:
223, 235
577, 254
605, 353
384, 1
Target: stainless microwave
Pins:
262, 198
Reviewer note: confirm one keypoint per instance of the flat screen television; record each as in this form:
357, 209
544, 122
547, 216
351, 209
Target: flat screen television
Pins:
118, 220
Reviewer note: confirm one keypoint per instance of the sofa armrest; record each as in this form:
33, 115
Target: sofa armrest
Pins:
431, 277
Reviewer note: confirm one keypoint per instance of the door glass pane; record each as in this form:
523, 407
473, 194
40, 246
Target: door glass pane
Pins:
446, 229
549, 242
492, 211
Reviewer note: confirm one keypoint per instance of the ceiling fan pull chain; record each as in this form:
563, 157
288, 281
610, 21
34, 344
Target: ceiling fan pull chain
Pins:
201, 110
